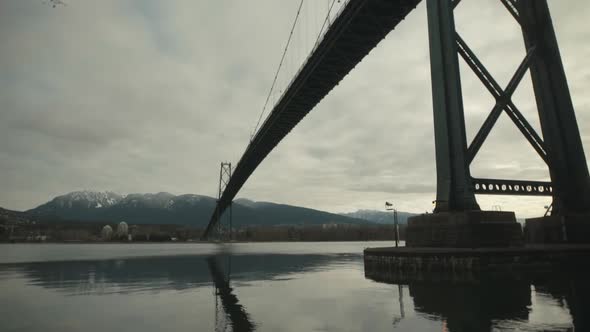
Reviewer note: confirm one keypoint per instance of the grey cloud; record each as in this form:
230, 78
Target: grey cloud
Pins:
392, 188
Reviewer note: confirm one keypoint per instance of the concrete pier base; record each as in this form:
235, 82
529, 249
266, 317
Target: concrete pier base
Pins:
558, 229
419, 263
466, 229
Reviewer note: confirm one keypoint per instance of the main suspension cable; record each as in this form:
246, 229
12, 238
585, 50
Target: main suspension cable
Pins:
326, 20
274, 81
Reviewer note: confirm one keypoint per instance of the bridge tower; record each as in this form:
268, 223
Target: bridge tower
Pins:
457, 220
225, 172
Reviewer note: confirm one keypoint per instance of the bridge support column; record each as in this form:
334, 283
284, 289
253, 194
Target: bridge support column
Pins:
566, 159
570, 219
457, 220
454, 191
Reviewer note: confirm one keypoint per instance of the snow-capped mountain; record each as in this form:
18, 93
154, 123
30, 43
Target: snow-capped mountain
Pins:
162, 200
77, 204
147, 208
84, 199
166, 208
159, 200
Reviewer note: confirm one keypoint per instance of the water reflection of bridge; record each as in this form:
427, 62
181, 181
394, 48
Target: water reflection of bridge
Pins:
232, 309
465, 303
161, 273
176, 273
476, 302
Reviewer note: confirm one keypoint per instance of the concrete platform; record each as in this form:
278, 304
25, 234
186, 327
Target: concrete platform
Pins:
414, 263
464, 229
558, 229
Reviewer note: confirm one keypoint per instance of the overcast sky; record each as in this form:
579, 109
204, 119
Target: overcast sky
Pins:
149, 96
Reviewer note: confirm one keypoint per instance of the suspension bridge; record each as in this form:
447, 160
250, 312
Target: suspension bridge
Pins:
351, 29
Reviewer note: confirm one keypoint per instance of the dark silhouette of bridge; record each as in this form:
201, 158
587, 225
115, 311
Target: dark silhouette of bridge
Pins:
362, 24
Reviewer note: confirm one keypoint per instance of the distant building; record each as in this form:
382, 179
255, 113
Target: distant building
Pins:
122, 229
41, 238
107, 232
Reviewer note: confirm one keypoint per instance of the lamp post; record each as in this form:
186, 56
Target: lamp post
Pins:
389, 207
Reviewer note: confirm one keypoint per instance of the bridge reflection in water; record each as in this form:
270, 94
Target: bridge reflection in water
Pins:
232, 310
266, 291
480, 302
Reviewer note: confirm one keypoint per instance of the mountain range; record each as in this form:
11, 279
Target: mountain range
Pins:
188, 209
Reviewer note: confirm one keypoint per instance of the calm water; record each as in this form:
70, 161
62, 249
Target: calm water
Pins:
261, 287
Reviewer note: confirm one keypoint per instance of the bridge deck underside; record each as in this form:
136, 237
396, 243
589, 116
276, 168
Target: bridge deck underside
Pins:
361, 25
